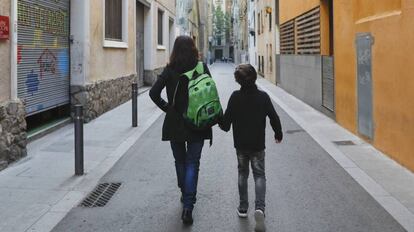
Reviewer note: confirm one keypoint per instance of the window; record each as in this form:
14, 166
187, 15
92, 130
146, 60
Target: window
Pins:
261, 22
262, 64
115, 30
113, 20
258, 23
160, 27
271, 58
270, 21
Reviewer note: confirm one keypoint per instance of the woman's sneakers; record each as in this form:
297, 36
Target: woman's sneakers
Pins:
259, 216
242, 213
187, 216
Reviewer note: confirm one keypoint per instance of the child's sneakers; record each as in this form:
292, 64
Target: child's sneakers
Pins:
260, 221
242, 213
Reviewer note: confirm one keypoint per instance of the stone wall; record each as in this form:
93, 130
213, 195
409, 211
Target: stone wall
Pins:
13, 136
102, 96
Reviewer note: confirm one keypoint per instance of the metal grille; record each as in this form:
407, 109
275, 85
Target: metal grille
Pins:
308, 29
43, 54
344, 143
294, 131
287, 38
328, 83
101, 195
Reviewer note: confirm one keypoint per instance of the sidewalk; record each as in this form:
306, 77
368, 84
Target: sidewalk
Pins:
388, 182
38, 191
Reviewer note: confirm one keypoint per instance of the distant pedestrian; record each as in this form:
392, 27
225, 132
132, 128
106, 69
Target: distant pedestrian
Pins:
186, 143
247, 111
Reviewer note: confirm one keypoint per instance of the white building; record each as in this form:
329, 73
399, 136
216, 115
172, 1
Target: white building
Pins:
252, 33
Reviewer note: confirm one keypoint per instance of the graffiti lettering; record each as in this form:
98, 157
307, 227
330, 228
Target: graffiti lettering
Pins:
47, 20
32, 83
47, 63
19, 54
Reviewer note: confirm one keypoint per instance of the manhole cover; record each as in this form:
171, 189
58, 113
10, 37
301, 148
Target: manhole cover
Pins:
101, 195
344, 143
294, 131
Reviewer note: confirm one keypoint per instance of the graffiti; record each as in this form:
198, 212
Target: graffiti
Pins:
4, 27
19, 54
364, 57
55, 43
37, 38
32, 82
40, 17
63, 62
47, 63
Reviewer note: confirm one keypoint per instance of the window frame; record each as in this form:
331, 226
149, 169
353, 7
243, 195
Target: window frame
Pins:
108, 43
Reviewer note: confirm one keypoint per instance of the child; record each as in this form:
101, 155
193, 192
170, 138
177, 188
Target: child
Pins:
247, 111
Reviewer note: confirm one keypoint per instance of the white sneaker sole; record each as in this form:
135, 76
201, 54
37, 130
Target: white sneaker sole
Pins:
260, 224
241, 215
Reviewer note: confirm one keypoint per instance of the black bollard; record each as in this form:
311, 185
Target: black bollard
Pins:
78, 140
134, 104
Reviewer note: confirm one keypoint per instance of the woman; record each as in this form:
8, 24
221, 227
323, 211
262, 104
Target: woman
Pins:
186, 144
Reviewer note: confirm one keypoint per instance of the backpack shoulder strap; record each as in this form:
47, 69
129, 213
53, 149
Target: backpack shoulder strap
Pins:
198, 69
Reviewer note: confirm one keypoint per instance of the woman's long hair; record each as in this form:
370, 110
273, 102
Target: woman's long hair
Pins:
184, 56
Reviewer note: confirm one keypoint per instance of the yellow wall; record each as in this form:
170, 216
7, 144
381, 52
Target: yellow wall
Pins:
109, 63
391, 24
4, 57
290, 9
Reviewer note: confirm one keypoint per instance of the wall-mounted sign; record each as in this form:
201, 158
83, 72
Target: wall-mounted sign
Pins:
4, 27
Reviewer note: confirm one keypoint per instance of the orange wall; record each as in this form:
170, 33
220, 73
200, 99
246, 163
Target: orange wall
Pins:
391, 24
290, 9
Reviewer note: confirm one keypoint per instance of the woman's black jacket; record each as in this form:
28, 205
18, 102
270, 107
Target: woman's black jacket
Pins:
175, 128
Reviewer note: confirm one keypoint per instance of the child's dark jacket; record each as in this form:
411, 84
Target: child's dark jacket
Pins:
246, 112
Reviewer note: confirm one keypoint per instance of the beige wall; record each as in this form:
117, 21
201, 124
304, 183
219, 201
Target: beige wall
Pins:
109, 63
4, 57
266, 42
162, 53
168, 4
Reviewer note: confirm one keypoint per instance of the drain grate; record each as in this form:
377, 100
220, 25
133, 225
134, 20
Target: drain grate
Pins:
294, 131
101, 195
344, 143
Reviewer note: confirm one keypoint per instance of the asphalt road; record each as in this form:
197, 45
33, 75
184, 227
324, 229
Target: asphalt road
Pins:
306, 189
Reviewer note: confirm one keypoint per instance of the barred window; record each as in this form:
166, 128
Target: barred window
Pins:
113, 20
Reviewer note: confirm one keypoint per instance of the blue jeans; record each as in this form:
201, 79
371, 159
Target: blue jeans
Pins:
187, 165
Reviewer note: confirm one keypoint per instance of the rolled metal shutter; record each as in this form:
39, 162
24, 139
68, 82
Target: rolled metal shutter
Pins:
43, 66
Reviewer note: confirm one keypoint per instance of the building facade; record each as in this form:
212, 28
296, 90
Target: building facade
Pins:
252, 40
266, 35
373, 73
306, 52
241, 35
89, 54
159, 39
359, 55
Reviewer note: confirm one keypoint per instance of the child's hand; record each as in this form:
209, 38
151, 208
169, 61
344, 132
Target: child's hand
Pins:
278, 141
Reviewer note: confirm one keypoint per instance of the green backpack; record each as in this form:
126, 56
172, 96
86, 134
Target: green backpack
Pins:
204, 109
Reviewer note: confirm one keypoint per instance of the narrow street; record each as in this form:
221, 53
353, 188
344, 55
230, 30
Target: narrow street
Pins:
306, 189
